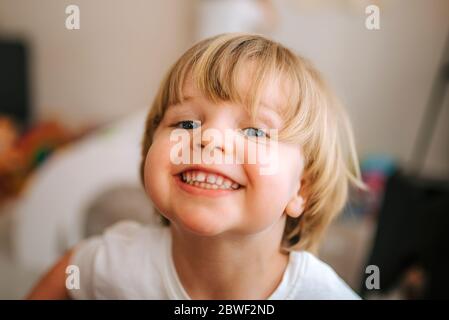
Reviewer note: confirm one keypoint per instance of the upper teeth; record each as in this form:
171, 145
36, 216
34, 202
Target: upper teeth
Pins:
208, 180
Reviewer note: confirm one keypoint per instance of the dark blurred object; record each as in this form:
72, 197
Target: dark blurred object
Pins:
412, 234
14, 91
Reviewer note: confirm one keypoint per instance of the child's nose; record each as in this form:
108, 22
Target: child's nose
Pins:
219, 147
214, 138
213, 142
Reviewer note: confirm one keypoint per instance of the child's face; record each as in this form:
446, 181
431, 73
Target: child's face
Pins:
259, 201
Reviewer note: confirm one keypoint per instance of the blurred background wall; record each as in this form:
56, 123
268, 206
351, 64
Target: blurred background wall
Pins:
110, 66
383, 76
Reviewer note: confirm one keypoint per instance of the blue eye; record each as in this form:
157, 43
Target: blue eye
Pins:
187, 124
254, 132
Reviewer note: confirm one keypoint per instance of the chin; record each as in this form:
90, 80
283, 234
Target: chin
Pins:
201, 224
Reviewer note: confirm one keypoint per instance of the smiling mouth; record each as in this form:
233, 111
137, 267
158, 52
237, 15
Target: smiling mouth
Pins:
207, 180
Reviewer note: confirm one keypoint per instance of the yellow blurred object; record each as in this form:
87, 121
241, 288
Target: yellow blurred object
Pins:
20, 153
8, 133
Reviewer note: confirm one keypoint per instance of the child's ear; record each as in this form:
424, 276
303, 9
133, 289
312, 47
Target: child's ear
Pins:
295, 206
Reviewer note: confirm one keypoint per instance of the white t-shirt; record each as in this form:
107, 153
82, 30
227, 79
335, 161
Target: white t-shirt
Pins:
134, 261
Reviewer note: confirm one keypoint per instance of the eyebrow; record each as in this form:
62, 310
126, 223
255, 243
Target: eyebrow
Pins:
268, 115
266, 112
180, 103
187, 98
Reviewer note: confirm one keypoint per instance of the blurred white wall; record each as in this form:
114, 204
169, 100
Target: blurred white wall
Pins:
383, 76
111, 66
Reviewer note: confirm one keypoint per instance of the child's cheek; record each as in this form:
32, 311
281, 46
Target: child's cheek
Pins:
278, 160
278, 174
158, 169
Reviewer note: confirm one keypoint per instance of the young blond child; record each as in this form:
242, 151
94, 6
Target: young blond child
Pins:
228, 231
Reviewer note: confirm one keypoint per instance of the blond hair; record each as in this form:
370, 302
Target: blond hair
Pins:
313, 118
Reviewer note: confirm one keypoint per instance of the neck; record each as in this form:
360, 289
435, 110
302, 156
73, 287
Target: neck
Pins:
230, 267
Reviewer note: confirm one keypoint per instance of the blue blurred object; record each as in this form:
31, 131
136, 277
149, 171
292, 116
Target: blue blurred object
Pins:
380, 163
376, 169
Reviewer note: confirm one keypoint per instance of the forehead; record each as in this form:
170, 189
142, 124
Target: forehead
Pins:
273, 91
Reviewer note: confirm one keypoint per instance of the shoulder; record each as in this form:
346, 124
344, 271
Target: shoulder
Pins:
317, 280
128, 242
115, 264
125, 237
